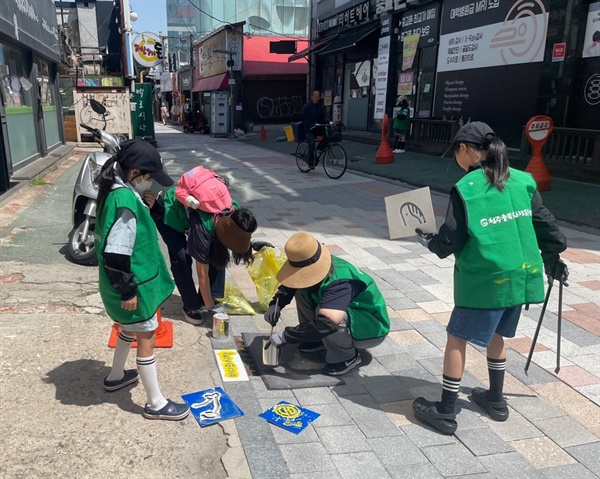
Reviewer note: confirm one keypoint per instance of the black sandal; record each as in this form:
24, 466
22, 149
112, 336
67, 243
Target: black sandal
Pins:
427, 412
498, 411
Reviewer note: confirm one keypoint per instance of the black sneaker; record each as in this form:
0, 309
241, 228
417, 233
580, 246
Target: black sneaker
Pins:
131, 376
193, 316
171, 412
314, 347
341, 368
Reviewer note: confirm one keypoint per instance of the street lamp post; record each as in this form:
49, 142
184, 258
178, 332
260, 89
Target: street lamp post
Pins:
127, 16
230, 64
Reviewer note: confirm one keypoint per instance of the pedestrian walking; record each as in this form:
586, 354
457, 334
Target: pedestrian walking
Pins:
340, 308
213, 240
133, 277
495, 226
401, 125
164, 113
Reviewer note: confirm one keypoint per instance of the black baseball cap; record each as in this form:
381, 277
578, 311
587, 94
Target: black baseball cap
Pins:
475, 132
143, 156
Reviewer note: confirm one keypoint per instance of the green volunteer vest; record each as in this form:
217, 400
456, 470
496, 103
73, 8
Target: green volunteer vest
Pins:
500, 265
367, 313
402, 124
148, 265
176, 215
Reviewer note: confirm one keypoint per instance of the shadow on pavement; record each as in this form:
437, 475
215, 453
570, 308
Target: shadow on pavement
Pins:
79, 383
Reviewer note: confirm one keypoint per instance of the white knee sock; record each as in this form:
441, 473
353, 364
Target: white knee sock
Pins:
149, 377
121, 351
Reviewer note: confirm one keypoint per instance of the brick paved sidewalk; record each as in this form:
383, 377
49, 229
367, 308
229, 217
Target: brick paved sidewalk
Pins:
366, 428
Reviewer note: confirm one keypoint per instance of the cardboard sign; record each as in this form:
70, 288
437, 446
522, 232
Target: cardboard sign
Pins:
409, 211
211, 406
289, 416
230, 365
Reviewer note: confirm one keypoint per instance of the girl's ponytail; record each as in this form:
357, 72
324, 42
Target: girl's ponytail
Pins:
106, 179
495, 164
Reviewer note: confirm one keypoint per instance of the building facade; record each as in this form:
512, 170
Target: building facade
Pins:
30, 116
498, 61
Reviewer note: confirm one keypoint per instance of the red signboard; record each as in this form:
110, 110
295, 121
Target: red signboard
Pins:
558, 52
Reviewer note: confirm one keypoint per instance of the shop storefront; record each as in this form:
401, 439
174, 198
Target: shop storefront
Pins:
499, 61
274, 90
185, 88
348, 63
30, 113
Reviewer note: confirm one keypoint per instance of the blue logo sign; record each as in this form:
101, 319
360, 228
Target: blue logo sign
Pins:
289, 416
211, 406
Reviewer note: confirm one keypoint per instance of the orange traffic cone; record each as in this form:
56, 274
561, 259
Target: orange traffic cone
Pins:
164, 334
263, 133
384, 152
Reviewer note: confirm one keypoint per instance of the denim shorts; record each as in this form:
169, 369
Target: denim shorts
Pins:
478, 326
141, 327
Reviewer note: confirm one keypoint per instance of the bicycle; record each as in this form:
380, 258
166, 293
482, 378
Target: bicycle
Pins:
334, 156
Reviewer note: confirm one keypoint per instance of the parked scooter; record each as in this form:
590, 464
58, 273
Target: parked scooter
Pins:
85, 192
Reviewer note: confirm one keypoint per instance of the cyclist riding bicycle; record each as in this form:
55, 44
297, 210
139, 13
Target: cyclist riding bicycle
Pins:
313, 114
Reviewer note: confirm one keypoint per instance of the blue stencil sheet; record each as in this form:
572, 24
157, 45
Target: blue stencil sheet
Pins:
211, 406
289, 416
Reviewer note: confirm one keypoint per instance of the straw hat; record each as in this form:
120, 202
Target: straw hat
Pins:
308, 262
232, 236
400, 99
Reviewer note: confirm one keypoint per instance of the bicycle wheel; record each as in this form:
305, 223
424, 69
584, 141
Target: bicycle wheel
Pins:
335, 161
302, 157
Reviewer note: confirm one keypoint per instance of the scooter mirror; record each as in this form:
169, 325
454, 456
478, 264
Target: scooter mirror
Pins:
97, 106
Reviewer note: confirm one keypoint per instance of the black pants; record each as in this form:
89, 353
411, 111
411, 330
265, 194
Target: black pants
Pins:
181, 267
311, 138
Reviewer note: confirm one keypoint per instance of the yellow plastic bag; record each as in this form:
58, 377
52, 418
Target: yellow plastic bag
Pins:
263, 272
235, 302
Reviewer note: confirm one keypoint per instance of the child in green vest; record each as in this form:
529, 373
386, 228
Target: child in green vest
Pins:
401, 125
211, 240
133, 277
495, 226
340, 308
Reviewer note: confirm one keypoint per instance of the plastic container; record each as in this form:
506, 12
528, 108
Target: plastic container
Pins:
289, 132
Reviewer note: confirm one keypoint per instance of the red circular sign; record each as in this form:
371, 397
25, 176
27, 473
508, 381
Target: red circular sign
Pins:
538, 130
175, 94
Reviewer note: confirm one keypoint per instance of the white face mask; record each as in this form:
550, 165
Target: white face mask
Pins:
143, 185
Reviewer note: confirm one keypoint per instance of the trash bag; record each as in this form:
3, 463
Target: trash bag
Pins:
263, 272
235, 302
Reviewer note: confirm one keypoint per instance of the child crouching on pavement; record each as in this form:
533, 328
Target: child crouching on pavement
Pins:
340, 308
134, 279
495, 226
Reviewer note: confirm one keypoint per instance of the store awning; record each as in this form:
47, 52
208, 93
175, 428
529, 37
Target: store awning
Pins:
311, 49
349, 40
216, 82
258, 61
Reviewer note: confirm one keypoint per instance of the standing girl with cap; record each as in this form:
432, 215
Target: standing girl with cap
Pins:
340, 308
134, 279
495, 226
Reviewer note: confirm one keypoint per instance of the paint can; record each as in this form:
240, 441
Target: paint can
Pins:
270, 354
220, 328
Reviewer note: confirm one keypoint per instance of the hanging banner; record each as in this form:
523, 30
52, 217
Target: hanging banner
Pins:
141, 112
409, 49
485, 51
211, 406
591, 42
383, 60
423, 22
405, 83
290, 417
